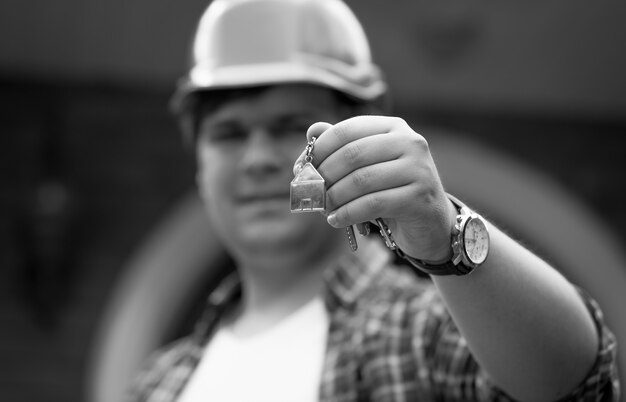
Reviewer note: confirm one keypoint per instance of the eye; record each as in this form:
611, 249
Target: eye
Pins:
291, 127
222, 133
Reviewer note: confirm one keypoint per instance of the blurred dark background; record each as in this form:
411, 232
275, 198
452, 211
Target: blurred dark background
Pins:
90, 158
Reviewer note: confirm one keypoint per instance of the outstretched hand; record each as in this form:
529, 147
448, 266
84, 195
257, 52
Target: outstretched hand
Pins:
377, 166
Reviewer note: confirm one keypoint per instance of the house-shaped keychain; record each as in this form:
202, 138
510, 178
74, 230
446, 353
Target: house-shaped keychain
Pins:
307, 190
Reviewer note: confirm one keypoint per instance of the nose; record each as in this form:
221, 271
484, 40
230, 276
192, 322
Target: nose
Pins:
262, 154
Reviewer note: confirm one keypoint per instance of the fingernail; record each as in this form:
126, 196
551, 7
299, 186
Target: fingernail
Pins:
297, 168
317, 129
332, 219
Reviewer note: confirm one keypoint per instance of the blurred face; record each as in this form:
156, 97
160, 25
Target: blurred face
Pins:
246, 149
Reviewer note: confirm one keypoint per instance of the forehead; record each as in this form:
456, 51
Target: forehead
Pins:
274, 101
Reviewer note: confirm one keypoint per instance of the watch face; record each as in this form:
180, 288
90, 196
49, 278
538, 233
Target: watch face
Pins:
476, 240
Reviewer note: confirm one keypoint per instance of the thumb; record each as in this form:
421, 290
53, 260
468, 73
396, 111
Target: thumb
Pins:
317, 129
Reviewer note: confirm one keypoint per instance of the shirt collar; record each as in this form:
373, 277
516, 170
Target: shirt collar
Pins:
344, 282
228, 290
355, 272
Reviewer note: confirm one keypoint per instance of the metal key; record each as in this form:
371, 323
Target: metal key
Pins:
385, 232
351, 238
364, 229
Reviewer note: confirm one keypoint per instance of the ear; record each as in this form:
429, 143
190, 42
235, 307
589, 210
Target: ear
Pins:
187, 128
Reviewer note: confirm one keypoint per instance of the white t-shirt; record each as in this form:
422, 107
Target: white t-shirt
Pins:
283, 363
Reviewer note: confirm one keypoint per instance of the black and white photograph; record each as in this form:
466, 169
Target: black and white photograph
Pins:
312, 200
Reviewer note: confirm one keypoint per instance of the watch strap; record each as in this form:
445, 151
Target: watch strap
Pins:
444, 269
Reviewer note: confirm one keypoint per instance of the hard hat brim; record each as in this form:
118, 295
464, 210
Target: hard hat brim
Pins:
365, 87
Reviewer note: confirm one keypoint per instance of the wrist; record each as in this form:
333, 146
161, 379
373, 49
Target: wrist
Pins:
443, 252
467, 248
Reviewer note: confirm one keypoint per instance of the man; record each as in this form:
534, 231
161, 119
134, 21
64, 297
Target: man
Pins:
304, 317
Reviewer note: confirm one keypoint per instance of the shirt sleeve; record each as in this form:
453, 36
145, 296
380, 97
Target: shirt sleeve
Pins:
456, 376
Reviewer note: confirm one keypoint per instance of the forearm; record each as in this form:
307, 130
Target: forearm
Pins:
525, 324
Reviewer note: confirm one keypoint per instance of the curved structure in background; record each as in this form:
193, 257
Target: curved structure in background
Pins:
172, 264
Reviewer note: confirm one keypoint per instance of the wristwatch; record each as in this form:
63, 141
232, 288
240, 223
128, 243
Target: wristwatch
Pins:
470, 245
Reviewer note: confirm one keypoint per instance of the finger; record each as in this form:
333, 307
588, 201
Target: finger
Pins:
346, 131
368, 179
358, 154
316, 130
388, 203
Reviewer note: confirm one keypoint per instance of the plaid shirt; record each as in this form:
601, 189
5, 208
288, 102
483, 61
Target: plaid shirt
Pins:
390, 339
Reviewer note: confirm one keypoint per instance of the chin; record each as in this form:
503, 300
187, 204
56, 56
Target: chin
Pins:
295, 233
273, 234
258, 232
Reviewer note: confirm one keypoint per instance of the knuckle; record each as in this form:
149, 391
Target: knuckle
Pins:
419, 141
341, 131
425, 194
398, 121
351, 153
375, 203
360, 177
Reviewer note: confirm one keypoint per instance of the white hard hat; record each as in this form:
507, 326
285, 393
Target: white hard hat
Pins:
245, 43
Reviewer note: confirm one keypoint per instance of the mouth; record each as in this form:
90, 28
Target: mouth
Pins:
262, 197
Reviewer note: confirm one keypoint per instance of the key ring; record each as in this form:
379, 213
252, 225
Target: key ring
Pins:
309, 150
